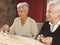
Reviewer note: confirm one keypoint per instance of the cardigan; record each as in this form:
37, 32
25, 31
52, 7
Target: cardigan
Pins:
29, 29
45, 30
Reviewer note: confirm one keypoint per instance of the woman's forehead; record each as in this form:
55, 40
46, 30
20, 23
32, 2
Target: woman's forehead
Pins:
20, 8
50, 6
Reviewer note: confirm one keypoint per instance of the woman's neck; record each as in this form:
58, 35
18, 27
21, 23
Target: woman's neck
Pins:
23, 20
54, 22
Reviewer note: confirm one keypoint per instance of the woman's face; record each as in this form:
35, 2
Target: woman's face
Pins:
52, 15
22, 12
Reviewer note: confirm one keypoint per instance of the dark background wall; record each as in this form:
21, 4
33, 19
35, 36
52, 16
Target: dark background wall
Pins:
7, 12
37, 9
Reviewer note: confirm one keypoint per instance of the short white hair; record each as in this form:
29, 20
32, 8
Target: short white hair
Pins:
56, 4
57, 7
24, 5
50, 3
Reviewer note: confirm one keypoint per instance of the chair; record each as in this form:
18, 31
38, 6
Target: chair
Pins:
39, 25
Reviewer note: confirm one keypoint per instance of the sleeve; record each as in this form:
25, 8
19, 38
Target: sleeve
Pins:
12, 28
34, 29
56, 41
44, 27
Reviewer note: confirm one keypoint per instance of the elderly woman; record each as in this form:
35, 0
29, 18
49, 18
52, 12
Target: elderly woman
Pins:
50, 32
24, 25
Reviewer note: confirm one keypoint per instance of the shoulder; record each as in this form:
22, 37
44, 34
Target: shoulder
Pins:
31, 20
18, 18
46, 23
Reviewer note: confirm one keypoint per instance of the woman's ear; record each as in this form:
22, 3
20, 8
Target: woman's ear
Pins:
26, 11
59, 13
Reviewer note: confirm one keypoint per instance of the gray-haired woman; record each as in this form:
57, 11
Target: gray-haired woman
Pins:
50, 32
24, 25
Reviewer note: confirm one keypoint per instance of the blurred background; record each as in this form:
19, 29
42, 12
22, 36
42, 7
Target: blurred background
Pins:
8, 10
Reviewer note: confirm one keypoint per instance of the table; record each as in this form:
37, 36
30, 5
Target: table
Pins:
6, 39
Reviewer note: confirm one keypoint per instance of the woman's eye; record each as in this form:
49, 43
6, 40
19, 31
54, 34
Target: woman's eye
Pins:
49, 11
21, 11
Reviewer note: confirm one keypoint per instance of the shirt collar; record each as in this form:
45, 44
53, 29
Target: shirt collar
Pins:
57, 23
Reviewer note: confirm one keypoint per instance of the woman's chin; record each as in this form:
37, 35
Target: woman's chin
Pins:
49, 20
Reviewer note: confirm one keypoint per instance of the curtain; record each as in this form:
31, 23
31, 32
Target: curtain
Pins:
37, 9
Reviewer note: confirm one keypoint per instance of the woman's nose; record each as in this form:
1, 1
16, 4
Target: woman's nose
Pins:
19, 13
47, 14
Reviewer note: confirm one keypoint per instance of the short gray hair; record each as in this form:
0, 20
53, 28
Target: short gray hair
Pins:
24, 5
50, 3
56, 5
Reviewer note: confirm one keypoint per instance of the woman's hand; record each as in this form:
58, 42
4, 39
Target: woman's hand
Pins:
46, 40
5, 28
39, 37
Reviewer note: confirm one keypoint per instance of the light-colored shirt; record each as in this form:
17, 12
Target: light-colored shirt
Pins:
29, 29
55, 26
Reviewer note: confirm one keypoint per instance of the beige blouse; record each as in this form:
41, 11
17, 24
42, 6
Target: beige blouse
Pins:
29, 29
